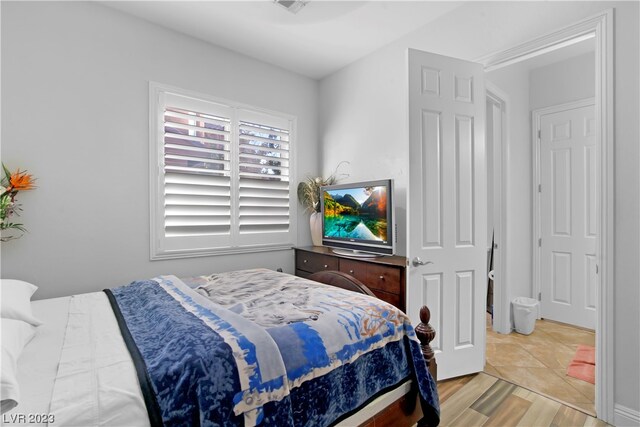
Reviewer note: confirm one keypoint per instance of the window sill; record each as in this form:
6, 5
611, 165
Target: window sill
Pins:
177, 254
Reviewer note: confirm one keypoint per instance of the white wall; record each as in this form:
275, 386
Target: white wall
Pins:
372, 93
514, 81
75, 114
627, 206
364, 122
562, 82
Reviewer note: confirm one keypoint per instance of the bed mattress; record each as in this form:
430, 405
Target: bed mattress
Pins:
60, 379
77, 371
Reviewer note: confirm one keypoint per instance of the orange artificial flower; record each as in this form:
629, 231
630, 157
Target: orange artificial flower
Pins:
21, 181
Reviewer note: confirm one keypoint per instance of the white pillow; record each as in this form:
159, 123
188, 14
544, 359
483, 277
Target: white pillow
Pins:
15, 335
15, 297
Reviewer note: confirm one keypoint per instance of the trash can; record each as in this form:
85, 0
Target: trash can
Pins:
525, 312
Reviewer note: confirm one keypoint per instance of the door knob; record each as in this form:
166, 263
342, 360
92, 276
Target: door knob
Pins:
417, 261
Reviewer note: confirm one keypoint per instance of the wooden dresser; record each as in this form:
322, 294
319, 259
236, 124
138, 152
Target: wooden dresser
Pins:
384, 275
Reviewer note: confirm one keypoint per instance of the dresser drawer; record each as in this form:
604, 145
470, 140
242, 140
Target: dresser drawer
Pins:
311, 262
383, 278
354, 268
393, 299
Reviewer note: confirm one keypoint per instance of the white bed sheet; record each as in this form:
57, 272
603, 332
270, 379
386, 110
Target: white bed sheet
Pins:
96, 383
77, 370
38, 364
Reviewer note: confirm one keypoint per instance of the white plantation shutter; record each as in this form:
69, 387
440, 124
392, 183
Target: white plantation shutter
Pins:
263, 206
196, 205
223, 177
197, 171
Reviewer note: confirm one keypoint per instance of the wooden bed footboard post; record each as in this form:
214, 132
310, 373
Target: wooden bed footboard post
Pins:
426, 334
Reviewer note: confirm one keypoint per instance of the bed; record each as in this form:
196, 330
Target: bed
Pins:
142, 355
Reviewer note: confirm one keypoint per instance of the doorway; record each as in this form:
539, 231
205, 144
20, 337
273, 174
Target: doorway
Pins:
598, 29
497, 137
539, 361
545, 187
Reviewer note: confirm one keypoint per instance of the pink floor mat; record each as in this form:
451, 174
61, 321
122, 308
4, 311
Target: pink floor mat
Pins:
583, 365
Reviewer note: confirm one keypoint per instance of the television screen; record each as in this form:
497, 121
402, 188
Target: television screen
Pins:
358, 216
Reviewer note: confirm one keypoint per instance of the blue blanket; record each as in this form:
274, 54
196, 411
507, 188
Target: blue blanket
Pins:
282, 351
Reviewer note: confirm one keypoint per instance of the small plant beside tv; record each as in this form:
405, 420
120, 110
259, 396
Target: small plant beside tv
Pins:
309, 197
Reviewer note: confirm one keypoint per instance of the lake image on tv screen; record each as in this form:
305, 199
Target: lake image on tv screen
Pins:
356, 213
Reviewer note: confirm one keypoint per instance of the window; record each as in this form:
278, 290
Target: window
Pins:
220, 176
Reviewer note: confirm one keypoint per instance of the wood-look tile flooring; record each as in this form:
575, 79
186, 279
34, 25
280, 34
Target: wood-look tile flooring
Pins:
484, 400
539, 361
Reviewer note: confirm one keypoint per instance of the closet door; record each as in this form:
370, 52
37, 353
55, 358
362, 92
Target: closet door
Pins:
568, 227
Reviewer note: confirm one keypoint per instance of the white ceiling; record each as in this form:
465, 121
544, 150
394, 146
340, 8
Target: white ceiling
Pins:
320, 39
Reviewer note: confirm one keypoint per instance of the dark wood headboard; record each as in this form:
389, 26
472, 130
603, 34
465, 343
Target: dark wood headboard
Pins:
341, 280
424, 331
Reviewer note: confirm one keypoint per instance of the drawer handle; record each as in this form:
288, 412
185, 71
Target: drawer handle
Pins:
326, 266
381, 277
350, 271
304, 261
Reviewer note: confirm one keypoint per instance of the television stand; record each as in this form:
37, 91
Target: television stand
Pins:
354, 253
384, 275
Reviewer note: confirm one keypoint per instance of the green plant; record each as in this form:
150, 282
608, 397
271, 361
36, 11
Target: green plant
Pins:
309, 189
10, 185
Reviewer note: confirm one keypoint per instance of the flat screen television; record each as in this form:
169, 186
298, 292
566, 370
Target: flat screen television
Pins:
357, 218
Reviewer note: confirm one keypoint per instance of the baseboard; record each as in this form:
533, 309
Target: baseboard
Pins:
623, 416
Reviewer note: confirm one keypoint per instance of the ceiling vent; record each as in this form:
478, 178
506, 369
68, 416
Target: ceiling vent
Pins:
292, 6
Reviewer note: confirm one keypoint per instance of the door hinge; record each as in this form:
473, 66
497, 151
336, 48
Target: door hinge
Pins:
540, 242
539, 188
596, 268
539, 296
539, 134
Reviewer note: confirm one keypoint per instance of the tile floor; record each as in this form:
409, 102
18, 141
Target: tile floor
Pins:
539, 361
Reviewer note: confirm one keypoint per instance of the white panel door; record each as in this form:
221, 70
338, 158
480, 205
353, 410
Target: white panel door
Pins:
447, 207
568, 205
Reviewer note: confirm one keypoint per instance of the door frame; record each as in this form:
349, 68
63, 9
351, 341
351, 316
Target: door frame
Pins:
501, 315
536, 116
600, 28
